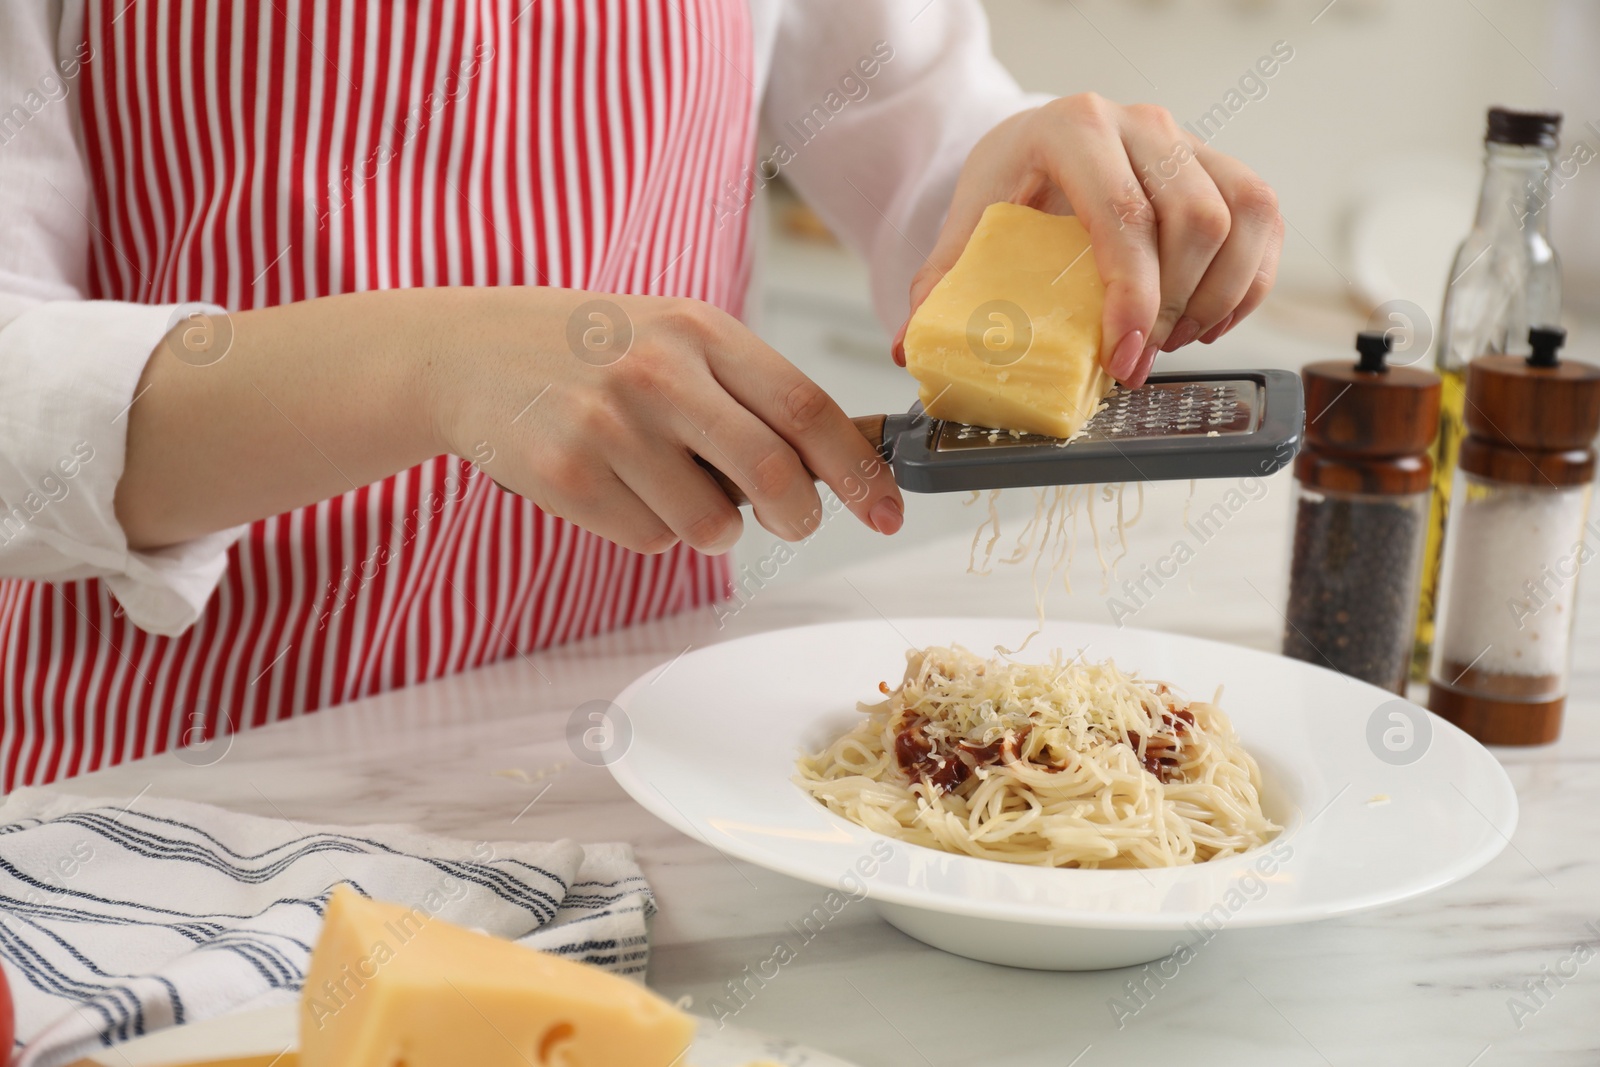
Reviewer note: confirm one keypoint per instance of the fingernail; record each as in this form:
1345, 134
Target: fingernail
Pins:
1185, 331
1147, 359
887, 516
1125, 358
899, 349
1218, 330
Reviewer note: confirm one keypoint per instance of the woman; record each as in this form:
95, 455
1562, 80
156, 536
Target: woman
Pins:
462, 244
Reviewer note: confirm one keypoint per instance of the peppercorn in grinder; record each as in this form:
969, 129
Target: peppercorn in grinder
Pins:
1361, 514
1518, 533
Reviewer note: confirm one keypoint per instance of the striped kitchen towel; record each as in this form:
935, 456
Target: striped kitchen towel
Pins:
118, 919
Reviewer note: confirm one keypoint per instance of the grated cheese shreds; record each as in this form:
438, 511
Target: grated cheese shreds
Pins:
1050, 536
1063, 763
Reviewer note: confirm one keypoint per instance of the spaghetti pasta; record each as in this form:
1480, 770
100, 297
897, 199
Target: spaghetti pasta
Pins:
1058, 764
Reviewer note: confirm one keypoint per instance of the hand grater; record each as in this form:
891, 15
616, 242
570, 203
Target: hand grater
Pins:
1177, 426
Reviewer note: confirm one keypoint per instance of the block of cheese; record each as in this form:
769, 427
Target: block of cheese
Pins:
115, 1059
390, 985
1010, 337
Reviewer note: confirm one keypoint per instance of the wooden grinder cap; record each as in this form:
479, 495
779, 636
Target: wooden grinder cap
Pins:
1532, 420
1368, 425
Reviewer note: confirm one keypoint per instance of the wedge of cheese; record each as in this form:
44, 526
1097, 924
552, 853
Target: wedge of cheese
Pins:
1010, 337
390, 985
114, 1059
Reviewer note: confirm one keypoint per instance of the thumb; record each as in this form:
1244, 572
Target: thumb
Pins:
965, 211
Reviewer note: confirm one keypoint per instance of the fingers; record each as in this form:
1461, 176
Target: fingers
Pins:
1218, 330
668, 482
1186, 239
1192, 218
1084, 154
718, 429
820, 434
593, 497
1244, 267
1266, 274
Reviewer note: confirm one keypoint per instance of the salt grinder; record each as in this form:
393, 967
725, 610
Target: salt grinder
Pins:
1517, 536
1361, 514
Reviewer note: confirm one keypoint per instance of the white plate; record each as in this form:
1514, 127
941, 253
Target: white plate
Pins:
271, 1031
715, 735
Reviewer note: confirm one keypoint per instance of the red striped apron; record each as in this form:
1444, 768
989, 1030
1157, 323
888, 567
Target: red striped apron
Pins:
252, 154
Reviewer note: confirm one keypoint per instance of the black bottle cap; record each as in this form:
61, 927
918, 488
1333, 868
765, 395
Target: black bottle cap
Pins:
1545, 341
1374, 348
1535, 129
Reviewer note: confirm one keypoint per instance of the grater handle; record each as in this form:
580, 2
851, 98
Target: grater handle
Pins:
871, 427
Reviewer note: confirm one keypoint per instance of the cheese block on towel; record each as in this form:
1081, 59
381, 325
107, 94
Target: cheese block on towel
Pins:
1010, 337
392, 985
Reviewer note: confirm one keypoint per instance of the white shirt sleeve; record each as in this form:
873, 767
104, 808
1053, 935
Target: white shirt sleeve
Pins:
871, 107
68, 365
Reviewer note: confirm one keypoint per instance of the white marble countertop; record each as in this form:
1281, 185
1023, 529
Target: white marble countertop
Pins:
1434, 981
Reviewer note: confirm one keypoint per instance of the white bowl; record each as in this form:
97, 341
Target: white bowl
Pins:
1380, 800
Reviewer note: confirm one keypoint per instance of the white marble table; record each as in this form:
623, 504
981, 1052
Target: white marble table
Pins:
1432, 982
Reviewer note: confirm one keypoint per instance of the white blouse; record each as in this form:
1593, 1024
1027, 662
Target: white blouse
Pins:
69, 366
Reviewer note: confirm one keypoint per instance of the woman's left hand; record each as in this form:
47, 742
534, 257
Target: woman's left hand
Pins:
1186, 238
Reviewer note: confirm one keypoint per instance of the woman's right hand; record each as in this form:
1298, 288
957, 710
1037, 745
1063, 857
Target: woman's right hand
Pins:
594, 406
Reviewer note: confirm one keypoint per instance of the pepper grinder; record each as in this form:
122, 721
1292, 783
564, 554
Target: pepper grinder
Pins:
1516, 539
1361, 514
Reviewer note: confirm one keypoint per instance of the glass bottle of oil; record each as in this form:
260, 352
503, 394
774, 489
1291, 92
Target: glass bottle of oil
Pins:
1505, 278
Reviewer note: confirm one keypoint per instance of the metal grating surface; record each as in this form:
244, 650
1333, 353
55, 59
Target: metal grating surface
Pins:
1226, 408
